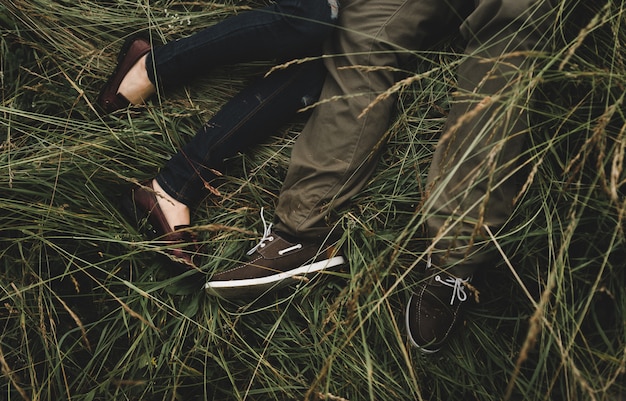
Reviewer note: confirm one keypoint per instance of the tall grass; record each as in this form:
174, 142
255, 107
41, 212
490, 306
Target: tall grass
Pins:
88, 311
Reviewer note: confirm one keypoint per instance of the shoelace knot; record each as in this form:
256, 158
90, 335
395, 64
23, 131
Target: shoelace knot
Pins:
457, 285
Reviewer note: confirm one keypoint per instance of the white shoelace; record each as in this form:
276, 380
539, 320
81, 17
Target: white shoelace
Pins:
267, 237
267, 230
457, 285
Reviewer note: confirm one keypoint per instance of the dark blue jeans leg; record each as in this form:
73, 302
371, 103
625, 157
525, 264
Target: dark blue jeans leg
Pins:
248, 118
284, 30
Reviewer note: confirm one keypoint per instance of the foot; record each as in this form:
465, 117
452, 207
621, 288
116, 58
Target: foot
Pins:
131, 57
136, 86
434, 310
274, 263
180, 244
175, 212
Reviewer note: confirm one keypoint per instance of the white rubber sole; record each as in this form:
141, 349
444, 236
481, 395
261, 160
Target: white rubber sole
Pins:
257, 286
407, 318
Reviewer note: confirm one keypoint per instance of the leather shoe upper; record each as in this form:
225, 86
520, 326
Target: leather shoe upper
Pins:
132, 50
182, 244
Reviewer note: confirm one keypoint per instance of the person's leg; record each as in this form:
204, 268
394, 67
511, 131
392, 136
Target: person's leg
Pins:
471, 183
286, 29
471, 175
336, 152
247, 119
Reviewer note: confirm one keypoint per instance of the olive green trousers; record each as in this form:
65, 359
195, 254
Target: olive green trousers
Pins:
470, 180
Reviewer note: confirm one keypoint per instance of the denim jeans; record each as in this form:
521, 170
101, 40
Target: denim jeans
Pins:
284, 30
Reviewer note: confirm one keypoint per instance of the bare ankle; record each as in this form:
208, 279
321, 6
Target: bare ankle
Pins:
176, 213
136, 87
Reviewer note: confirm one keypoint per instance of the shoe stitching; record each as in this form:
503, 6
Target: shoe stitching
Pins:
431, 346
419, 308
458, 292
454, 317
239, 267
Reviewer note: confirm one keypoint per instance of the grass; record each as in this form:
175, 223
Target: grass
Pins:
88, 312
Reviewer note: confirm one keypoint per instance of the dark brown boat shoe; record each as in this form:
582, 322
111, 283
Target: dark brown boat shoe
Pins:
179, 244
133, 49
274, 263
434, 311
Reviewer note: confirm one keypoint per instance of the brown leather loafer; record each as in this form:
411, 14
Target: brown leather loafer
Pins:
182, 245
133, 49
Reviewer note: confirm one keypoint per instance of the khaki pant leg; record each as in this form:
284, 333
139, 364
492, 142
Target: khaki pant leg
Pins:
337, 150
472, 173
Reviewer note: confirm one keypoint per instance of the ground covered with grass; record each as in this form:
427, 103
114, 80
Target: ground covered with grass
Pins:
89, 312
